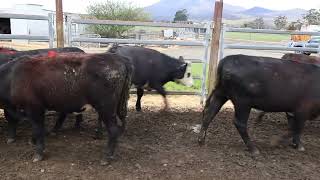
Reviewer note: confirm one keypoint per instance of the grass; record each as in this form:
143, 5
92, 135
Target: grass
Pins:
257, 36
196, 71
197, 68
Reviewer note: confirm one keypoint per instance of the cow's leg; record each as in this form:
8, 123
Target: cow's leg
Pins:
59, 123
242, 112
212, 107
297, 127
114, 131
290, 119
284, 139
139, 96
38, 133
161, 91
12, 126
260, 116
98, 130
79, 119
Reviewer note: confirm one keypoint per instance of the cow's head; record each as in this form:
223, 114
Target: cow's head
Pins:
183, 73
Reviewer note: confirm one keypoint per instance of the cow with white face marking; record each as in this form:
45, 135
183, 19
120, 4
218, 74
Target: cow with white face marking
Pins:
152, 70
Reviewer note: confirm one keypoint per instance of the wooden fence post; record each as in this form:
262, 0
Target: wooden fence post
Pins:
59, 24
215, 42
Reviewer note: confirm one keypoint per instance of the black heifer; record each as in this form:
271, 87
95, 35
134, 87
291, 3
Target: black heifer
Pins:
8, 54
66, 84
302, 58
14, 53
153, 69
260, 82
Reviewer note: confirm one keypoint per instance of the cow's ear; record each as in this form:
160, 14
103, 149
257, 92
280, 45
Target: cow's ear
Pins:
181, 58
183, 67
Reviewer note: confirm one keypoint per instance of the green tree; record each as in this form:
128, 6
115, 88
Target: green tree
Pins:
115, 10
280, 22
295, 25
312, 17
258, 23
181, 15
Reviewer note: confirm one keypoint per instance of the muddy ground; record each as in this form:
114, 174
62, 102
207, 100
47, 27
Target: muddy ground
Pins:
162, 145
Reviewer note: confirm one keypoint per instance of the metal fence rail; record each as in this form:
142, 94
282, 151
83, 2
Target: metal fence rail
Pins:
265, 47
49, 18
169, 92
23, 16
28, 37
136, 23
271, 31
204, 43
136, 41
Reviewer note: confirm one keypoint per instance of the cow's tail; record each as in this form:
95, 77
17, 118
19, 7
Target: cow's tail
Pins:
113, 48
124, 96
214, 102
218, 80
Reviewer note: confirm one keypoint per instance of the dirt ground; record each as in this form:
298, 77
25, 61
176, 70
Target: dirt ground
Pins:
163, 145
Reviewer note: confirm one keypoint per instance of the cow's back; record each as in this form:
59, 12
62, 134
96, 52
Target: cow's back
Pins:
45, 51
150, 66
79, 78
261, 79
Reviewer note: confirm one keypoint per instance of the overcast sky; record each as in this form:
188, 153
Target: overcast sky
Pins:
79, 6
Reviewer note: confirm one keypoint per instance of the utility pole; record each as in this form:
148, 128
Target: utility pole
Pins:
59, 24
215, 45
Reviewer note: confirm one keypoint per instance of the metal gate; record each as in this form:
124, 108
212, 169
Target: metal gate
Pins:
204, 43
49, 18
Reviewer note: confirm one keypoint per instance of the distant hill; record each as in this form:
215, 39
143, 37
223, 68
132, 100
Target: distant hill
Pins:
257, 11
197, 9
203, 10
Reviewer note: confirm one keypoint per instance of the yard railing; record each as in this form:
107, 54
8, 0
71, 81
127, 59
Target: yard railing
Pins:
49, 37
265, 47
204, 43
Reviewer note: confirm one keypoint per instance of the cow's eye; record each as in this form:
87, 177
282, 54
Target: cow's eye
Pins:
188, 75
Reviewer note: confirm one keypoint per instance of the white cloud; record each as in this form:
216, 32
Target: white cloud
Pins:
79, 6
76, 6
276, 4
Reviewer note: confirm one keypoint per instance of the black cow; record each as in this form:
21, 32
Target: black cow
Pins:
302, 58
14, 53
9, 54
67, 83
260, 82
153, 69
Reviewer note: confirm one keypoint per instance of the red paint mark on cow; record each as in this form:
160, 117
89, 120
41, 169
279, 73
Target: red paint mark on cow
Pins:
7, 51
52, 54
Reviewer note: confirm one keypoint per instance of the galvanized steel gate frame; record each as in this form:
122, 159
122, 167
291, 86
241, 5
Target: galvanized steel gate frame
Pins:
204, 43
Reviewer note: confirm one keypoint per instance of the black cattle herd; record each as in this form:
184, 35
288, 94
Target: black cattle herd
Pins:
68, 80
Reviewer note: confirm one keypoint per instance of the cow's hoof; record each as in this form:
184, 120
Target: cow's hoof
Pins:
32, 142
11, 140
279, 140
201, 141
48, 133
254, 152
98, 134
202, 138
138, 109
53, 133
37, 158
299, 147
78, 128
106, 161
